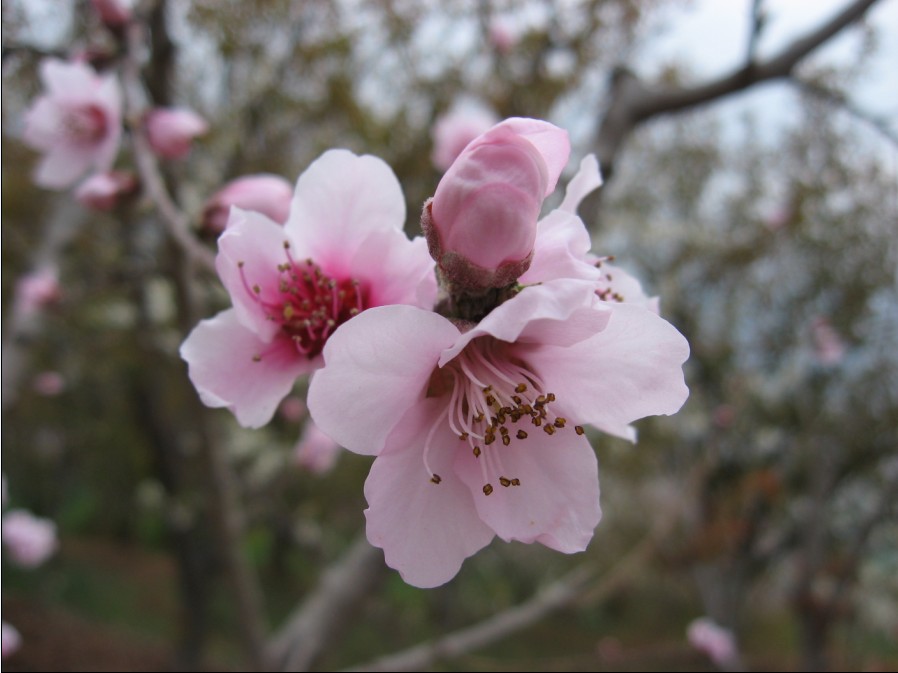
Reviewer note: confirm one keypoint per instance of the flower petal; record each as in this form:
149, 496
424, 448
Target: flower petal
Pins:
395, 270
587, 180
61, 167
551, 142
561, 250
339, 200
67, 79
377, 366
557, 501
249, 253
629, 370
225, 367
559, 313
426, 530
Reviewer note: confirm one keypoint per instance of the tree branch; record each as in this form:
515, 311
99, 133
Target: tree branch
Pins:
177, 224
633, 102
313, 624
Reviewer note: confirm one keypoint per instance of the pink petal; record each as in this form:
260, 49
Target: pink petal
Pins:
377, 366
340, 199
12, 640
249, 253
62, 166
69, 79
426, 530
587, 180
315, 451
30, 540
395, 270
224, 366
629, 370
560, 313
42, 124
551, 142
561, 249
557, 501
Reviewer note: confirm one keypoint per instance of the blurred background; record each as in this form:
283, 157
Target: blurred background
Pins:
763, 212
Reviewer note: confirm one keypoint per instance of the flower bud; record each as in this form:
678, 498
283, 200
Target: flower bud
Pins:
113, 13
481, 223
270, 195
170, 131
103, 190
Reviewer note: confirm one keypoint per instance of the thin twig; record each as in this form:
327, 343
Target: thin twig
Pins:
633, 102
313, 624
177, 224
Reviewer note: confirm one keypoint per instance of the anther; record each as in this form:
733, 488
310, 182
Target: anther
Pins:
505, 481
506, 440
520, 388
549, 429
579, 429
477, 452
515, 482
463, 436
487, 489
257, 358
521, 434
436, 479
559, 422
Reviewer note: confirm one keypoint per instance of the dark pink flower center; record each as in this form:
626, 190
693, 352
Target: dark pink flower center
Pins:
85, 124
495, 399
307, 304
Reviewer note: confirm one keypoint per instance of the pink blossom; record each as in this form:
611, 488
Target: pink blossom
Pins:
49, 383
315, 451
341, 251
716, 642
292, 408
481, 223
828, 345
30, 540
501, 36
12, 640
103, 191
455, 129
113, 13
263, 193
170, 131
38, 290
478, 430
76, 123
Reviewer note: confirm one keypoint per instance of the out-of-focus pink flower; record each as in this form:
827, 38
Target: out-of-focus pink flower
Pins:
454, 130
76, 123
170, 131
481, 223
49, 383
102, 191
113, 13
292, 408
12, 641
341, 251
263, 193
716, 642
501, 36
38, 290
315, 451
477, 428
30, 540
828, 345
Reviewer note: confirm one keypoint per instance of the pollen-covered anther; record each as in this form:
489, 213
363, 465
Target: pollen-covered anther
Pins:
521, 434
307, 304
436, 479
505, 481
487, 489
579, 429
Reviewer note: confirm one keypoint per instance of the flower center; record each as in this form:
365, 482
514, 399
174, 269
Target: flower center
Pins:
85, 124
494, 399
306, 303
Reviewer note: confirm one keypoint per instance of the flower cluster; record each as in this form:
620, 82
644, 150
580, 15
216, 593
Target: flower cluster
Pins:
471, 376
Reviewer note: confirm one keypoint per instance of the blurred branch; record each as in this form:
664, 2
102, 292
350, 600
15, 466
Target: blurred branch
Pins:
758, 22
633, 102
23, 324
313, 624
573, 588
817, 90
225, 506
177, 224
